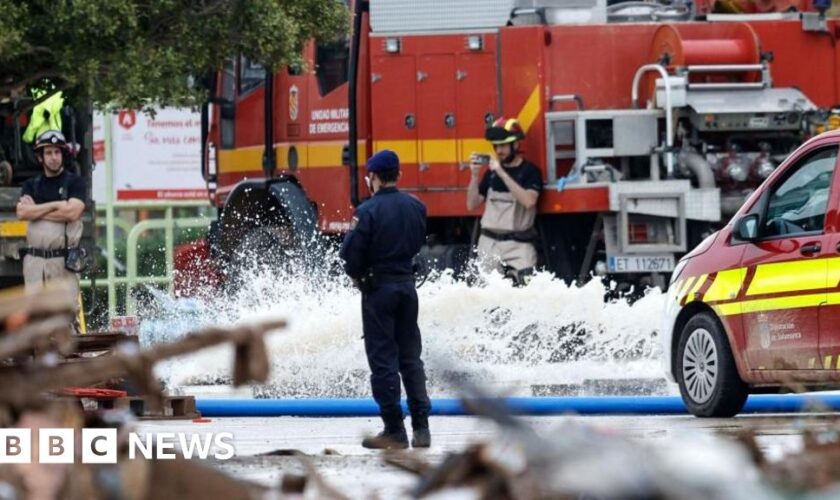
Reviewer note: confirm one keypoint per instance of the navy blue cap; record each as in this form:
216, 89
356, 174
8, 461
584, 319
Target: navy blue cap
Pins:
383, 161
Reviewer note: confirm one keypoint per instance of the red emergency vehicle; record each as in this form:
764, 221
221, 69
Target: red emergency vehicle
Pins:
651, 123
756, 306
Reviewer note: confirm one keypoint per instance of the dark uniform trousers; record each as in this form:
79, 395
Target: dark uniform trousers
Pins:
387, 232
393, 345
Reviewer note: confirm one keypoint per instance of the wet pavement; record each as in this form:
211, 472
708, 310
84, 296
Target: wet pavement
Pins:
332, 444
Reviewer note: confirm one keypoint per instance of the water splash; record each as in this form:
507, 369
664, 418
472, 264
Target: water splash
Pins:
547, 334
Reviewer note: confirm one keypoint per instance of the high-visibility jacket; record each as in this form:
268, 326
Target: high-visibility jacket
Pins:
45, 116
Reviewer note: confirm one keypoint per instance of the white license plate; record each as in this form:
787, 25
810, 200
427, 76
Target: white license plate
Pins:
640, 263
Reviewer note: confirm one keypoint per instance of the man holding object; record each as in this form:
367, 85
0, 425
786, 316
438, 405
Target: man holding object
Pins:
510, 188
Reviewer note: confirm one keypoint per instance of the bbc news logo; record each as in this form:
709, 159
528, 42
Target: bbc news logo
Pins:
99, 446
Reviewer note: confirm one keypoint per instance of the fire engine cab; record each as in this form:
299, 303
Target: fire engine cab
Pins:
651, 124
756, 305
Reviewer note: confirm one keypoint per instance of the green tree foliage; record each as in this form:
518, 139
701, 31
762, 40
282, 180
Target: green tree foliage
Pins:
141, 53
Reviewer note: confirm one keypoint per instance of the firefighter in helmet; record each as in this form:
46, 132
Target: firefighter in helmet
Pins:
53, 203
510, 188
386, 235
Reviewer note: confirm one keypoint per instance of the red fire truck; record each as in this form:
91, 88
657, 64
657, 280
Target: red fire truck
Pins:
651, 123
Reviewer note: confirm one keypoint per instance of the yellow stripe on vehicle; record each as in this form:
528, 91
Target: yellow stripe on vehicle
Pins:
775, 304
681, 287
690, 282
531, 110
470, 146
812, 363
730, 309
789, 276
13, 229
406, 150
326, 155
678, 288
282, 156
239, 160
436, 150
439, 151
313, 154
701, 280
833, 272
783, 303
832, 299
323, 154
838, 361
827, 362
726, 285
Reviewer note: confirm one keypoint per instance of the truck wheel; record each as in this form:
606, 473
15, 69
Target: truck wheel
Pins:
709, 382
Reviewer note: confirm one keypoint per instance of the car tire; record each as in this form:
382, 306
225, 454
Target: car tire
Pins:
708, 378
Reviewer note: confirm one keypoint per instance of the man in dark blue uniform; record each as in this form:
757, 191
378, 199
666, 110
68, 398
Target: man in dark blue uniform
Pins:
385, 236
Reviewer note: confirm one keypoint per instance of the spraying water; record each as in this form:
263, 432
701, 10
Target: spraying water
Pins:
546, 336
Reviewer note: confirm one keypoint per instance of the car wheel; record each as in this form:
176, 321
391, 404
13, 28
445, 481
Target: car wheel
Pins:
709, 382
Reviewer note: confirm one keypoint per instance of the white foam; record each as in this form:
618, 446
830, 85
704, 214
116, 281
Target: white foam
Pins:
504, 337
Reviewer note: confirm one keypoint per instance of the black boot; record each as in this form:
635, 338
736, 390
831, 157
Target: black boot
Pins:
421, 437
391, 438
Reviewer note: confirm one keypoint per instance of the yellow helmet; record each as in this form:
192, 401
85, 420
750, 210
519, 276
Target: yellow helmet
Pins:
504, 131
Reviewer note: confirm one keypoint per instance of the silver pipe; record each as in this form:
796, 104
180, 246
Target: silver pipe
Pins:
725, 68
537, 11
566, 98
669, 125
654, 167
726, 86
699, 167
523, 11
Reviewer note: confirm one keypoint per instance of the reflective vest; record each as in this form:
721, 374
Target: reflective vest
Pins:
45, 116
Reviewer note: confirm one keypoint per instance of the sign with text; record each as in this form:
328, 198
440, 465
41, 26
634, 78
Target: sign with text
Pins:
153, 158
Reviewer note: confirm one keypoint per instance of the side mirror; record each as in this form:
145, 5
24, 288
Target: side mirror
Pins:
747, 228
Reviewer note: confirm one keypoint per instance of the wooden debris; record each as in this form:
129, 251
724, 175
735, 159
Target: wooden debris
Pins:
25, 387
39, 356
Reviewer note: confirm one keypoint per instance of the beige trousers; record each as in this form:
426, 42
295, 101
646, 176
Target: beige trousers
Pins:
494, 254
48, 235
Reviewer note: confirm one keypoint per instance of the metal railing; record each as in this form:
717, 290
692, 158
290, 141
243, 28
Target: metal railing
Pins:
132, 234
168, 224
